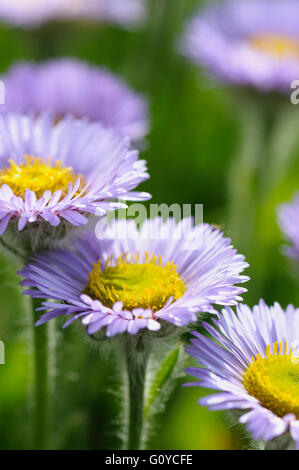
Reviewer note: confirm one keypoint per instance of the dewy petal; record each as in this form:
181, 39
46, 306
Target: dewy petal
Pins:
239, 338
209, 273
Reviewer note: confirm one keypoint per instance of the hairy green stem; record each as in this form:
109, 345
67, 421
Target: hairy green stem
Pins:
41, 341
12, 250
152, 368
136, 373
41, 381
261, 164
243, 178
282, 145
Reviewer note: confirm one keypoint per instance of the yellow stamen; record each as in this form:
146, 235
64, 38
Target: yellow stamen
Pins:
39, 175
146, 284
274, 380
282, 47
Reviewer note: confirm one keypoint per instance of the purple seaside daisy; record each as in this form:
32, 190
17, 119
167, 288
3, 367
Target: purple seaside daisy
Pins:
30, 13
255, 365
164, 273
68, 86
68, 170
247, 42
288, 218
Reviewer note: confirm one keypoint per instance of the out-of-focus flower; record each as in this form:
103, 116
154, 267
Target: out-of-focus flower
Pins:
28, 12
68, 86
50, 172
288, 218
164, 273
255, 365
34, 12
247, 42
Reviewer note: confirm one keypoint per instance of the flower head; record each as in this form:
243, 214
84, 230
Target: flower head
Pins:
240, 43
51, 173
288, 217
255, 366
29, 13
164, 273
68, 86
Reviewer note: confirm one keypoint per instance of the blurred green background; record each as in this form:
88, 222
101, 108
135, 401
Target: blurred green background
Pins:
195, 136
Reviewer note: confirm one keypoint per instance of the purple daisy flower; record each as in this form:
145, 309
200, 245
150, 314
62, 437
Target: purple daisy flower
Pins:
247, 42
24, 12
288, 217
68, 86
30, 13
255, 365
68, 170
164, 273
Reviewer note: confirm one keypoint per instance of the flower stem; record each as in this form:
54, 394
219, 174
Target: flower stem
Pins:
260, 167
40, 351
136, 373
41, 381
244, 177
152, 369
12, 250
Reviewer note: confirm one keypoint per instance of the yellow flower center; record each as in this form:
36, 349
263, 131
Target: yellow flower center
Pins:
39, 175
274, 380
281, 47
138, 285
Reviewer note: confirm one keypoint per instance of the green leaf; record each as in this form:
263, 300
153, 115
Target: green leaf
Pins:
161, 377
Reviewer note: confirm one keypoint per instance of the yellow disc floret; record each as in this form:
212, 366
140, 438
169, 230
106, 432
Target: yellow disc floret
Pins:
281, 47
39, 175
147, 284
274, 380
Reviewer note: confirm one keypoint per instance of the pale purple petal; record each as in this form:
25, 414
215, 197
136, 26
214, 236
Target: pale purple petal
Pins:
209, 271
239, 338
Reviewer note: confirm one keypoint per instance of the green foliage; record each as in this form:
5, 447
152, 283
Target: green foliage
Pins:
160, 378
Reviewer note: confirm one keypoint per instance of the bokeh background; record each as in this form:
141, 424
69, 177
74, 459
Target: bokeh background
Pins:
194, 138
